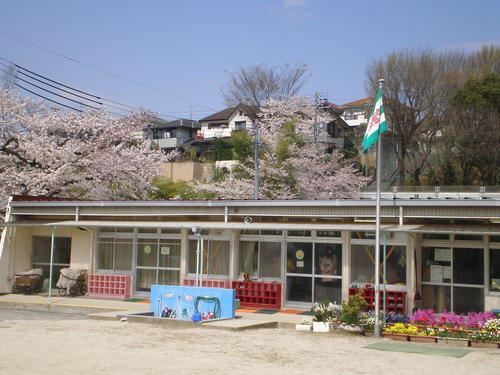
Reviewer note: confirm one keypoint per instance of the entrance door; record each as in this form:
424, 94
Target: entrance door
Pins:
299, 269
158, 262
41, 255
313, 273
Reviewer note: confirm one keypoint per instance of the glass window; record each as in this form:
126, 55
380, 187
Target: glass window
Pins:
42, 249
299, 233
328, 259
123, 254
495, 270
363, 264
270, 259
299, 257
170, 231
328, 233
147, 253
436, 265
357, 235
468, 237
436, 297
170, 253
148, 230
327, 289
468, 266
468, 299
270, 232
145, 278
494, 238
218, 262
249, 231
435, 236
215, 257
299, 289
249, 252
105, 254
168, 277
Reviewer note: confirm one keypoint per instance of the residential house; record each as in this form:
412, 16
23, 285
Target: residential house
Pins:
223, 123
169, 135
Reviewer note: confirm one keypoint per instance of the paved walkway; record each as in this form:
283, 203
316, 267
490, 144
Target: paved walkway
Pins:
106, 309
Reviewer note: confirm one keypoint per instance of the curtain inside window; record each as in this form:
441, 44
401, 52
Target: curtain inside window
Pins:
249, 252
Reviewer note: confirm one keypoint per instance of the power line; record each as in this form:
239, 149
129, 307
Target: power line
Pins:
53, 93
103, 70
44, 97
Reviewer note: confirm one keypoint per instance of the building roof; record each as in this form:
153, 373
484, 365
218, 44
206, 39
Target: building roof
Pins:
358, 103
225, 115
179, 123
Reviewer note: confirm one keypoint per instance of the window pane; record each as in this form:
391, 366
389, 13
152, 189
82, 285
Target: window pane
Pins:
170, 231
249, 252
147, 252
192, 256
42, 249
435, 236
468, 237
270, 259
299, 257
436, 297
145, 278
148, 230
363, 235
468, 299
494, 238
395, 267
363, 264
170, 253
105, 255
218, 263
468, 266
436, 265
270, 232
327, 289
328, 259
123, 254
299, 289
168, 277
299, 233
328, 233
495, 269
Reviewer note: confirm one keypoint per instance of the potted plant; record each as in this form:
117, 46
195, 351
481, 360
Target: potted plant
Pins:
304, 326
488, 336
352, 314
323, 316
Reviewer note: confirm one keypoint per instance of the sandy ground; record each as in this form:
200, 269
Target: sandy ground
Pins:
108, 347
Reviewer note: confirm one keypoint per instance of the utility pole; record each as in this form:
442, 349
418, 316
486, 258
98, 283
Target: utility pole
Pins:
315, 126
256, 144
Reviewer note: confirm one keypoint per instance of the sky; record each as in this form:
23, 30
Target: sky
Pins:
173, 57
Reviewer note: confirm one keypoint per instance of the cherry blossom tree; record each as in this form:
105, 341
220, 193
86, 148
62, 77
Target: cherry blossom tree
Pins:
291, 166
86, 155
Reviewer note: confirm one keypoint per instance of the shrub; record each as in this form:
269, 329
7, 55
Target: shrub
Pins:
351, 310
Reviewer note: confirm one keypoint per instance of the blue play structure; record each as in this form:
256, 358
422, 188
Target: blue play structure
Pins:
191, 303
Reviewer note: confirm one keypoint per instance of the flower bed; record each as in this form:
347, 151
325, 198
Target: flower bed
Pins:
478, 329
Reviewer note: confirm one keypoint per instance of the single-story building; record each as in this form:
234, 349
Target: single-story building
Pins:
441, 250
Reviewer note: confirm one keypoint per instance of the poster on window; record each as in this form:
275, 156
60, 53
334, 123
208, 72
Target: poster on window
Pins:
442, 255
436, 274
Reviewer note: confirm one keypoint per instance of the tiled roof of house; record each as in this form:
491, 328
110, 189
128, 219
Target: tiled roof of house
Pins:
179, 123
224, 115
358, 103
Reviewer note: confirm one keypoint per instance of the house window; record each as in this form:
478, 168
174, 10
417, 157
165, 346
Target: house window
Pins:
240, 125
114, 254
495, 270
215, 257
363, 264
260, 259
41, 255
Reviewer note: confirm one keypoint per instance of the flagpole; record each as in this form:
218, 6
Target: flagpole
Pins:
377, 230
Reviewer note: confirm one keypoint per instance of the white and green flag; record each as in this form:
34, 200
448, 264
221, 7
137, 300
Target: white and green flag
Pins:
376, 124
